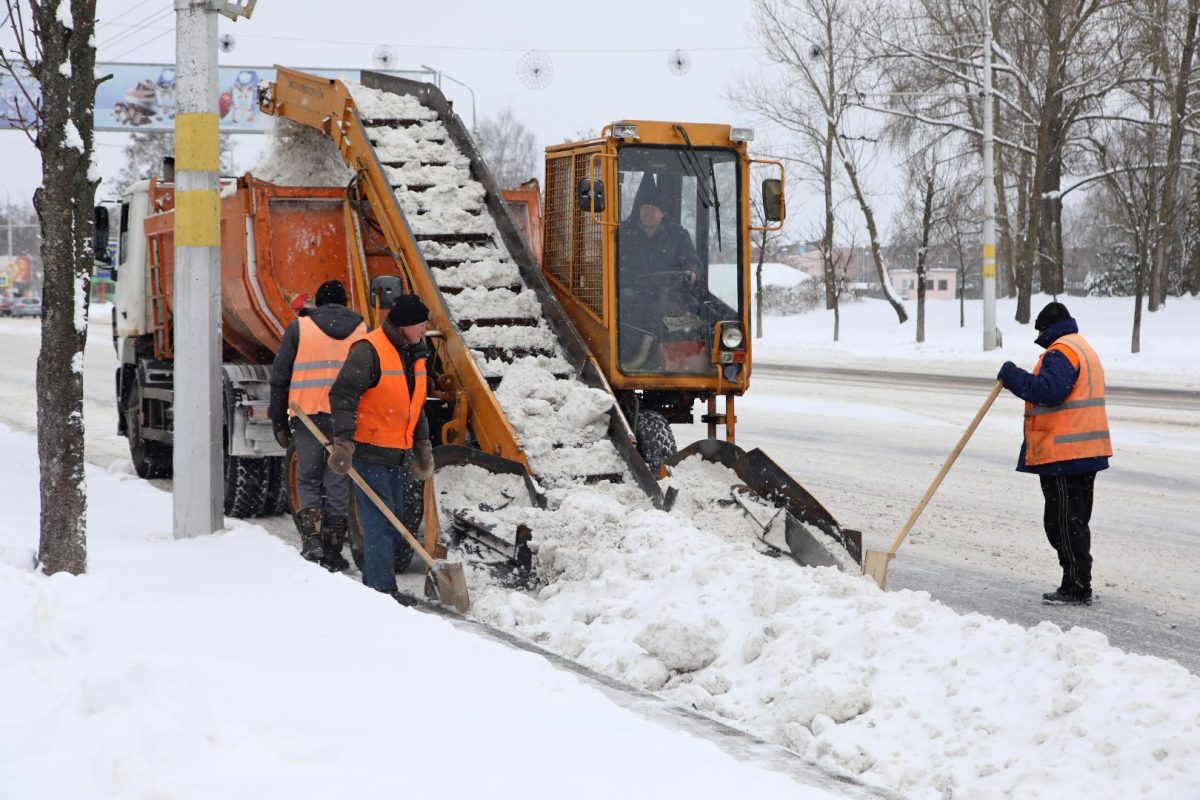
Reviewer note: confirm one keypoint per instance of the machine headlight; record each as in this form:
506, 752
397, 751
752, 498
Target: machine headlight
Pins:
731, 337
624, 131
741, 134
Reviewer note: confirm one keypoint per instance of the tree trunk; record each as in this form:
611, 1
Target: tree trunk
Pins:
1166, 208
923, 252
1135, 344
758, 292
1004, 238
872, 231
64, 204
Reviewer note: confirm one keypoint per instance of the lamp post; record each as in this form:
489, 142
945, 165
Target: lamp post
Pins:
441, 75
989, 191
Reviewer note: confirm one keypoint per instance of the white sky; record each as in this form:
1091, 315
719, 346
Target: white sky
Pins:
478, 43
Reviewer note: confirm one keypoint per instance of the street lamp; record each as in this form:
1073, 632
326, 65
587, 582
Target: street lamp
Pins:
441, 75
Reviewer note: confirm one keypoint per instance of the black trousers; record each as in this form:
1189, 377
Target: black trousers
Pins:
1068, 512
318, 485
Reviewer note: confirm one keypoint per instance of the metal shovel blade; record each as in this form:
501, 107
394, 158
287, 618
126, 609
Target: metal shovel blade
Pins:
875, 566
447, 583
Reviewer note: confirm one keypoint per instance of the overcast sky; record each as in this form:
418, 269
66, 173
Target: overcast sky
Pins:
604, 66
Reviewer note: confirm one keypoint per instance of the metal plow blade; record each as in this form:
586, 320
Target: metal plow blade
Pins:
812, 535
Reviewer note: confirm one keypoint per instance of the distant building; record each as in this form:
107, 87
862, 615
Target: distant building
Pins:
940, 283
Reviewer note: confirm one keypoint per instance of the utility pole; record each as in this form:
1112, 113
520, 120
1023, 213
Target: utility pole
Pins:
989, 191
198, 498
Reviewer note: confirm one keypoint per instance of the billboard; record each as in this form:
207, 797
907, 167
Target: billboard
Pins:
15, 269
141, 97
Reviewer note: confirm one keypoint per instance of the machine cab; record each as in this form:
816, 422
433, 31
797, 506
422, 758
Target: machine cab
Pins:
647, 247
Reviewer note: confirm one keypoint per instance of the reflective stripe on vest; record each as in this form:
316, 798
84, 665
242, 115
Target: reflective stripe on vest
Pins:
319, 358
1079, 427
387, 413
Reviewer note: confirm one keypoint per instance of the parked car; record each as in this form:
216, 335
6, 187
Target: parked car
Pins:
6, 304
27, 307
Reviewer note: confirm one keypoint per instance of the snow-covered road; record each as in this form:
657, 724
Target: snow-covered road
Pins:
868, 445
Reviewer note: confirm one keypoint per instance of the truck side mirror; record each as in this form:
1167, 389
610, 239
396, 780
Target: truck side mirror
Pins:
772, 199
100, 238
591, 195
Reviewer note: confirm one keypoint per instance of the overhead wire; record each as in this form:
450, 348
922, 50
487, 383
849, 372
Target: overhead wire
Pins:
152, 39
141, 26
123, 14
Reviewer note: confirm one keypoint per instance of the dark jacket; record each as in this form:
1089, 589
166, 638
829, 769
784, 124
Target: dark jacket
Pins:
669, 249
360, 373
1049, 387
335, 321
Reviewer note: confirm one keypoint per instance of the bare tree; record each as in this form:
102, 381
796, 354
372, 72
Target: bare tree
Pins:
819, 49
508, 147
764, 240
55, 47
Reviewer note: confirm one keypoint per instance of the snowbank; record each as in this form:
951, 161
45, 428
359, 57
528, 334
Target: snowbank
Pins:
228, 667
871, 338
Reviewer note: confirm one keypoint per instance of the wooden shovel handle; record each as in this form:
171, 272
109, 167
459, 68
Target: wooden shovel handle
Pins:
367, 490
937, 481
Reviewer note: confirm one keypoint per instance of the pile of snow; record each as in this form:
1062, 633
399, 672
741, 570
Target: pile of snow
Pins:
893, 688
227, 666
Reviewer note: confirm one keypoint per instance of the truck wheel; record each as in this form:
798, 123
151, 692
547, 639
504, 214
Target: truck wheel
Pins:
245, 485
278, 497
656, 440
150, 459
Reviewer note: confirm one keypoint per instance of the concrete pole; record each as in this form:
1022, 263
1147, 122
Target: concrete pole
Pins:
198, 489
989, 191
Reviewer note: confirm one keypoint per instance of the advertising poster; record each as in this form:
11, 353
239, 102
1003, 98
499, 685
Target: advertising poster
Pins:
141, 97
15, 269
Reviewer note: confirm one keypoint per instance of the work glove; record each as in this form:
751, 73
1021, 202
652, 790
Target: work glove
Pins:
422, 463
284, 437
1008, 372
341, 456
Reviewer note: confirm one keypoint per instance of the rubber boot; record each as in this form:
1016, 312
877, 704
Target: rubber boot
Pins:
309, 523
333, 537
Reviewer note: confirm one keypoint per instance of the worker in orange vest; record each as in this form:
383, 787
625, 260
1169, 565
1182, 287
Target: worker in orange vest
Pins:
380, 429
1066, 442
309, 358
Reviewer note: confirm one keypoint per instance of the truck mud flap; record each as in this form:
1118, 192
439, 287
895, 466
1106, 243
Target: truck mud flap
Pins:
812, 534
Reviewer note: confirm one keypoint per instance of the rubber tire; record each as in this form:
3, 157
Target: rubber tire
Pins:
245, 485
151, 459
278, 496
656, 440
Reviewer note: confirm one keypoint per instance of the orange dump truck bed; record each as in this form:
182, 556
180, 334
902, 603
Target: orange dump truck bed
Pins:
278, 244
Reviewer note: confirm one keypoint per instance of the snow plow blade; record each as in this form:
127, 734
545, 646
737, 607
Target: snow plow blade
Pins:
813, 536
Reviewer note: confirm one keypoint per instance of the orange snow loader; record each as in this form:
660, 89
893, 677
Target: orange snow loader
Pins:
422, 214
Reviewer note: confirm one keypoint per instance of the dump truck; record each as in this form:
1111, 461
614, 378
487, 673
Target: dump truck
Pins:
565, 371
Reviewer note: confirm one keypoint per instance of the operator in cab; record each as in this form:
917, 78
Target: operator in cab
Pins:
658, 270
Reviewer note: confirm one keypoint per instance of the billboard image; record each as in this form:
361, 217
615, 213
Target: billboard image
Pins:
142, 97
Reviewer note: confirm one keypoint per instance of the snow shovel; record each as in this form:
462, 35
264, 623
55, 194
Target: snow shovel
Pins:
433, 527
875, 562
444, 581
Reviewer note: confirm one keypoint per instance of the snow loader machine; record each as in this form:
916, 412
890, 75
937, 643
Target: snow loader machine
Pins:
416, 210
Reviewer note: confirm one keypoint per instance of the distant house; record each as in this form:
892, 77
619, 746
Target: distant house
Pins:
940, 283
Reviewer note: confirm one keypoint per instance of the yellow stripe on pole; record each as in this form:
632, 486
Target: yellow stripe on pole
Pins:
198, 218
197, 143
989, 261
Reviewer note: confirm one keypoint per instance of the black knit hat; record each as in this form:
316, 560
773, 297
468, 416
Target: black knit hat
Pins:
1052, 313
407, 309
331, 292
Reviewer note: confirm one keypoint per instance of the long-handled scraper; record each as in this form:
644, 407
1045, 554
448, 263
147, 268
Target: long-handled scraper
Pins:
445, 580
875, 562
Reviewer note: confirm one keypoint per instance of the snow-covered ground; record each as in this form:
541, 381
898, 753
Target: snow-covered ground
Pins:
870, 337
207, 662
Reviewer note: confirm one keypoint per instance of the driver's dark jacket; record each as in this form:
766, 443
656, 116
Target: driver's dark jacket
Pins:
670, 249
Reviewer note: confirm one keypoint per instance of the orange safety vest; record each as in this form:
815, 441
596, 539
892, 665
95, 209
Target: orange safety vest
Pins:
387, 413
1079, 427
319, 357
